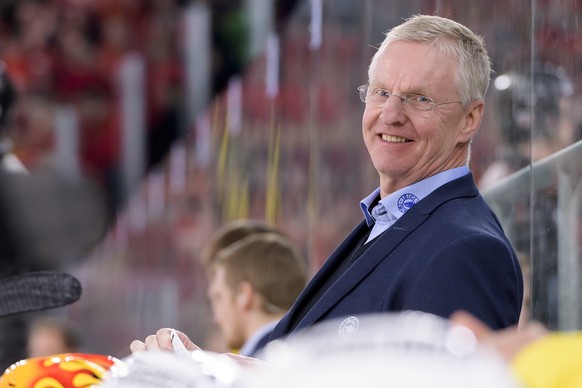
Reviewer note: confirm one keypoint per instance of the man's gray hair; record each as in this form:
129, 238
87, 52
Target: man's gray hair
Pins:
474, 65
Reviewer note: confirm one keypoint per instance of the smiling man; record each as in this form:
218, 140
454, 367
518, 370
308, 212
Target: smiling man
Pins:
428, 241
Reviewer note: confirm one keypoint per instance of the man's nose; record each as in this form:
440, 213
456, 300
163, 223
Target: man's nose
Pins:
393, 111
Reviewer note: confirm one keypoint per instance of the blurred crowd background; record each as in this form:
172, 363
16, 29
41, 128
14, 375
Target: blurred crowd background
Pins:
189, 114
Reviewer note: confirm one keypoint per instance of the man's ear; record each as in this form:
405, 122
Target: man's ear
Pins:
472, 121
245, 296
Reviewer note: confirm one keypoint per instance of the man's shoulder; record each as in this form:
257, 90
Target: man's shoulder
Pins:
450, 193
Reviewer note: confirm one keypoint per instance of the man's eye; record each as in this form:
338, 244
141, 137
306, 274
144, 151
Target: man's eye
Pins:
418, 98
382, 93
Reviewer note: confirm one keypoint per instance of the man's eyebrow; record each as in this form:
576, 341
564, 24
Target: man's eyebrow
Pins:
421, 89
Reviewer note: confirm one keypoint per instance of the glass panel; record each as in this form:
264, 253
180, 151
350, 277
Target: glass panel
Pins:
555, 92
290, 153
282, 142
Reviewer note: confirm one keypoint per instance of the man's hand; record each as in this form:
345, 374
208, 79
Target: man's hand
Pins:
507, 342
162, 341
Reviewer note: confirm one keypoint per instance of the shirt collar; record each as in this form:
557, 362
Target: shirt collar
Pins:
254, 339
398, 202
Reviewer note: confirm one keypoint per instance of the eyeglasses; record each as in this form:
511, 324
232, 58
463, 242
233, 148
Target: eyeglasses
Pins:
418, 102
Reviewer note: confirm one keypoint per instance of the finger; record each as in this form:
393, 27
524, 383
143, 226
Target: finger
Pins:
533, 330
191, 346
137, 346
242, 360
509, 342
468, 320
164, 339
151, 343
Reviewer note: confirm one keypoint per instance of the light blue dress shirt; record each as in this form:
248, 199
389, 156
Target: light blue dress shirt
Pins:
394, 205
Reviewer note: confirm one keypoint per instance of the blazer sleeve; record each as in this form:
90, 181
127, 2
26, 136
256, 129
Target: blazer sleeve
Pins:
476, 273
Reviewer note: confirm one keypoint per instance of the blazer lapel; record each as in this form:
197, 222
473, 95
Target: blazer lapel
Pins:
285, 324
380, 249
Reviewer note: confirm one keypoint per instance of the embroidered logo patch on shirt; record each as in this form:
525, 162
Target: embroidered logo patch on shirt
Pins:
406, 201
349, 326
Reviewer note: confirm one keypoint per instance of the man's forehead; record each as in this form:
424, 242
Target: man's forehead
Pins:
415, 65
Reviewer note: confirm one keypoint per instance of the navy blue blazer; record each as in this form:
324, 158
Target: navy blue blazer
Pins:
448, 252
